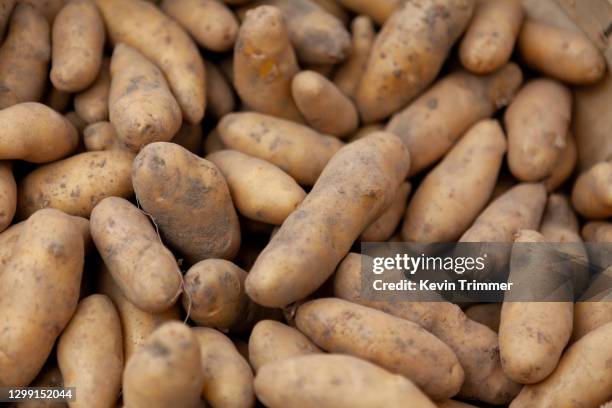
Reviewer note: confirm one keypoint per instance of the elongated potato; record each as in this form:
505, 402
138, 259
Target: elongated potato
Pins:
486, 314
583, 377
386, 224
78, 44
25, 53
489, 40
349, 73
356, 187
214, 293
166, 371
39, 291
211, 23
334, 381
75, 185
6, 8
136, 324
141, 106
398, 345
431, 124
36, 133
90, 353
143, 268
323, 105
566, 55
537, 123
597, 231
592, 192
378, 11
219, 93
228, 379
264, 64
260, 190
101, 136
272, 341
475, 345
160, 39
92, 103
441, 212
408, 54
194, 210
566, 163
298, 150
8, 195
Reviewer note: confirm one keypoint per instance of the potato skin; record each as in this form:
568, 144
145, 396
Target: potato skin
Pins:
597, 231
8, 195
334, 381
166, 371
39, 291
582, 378
356, 187
560, 53
6, 8
92, 103
194, 209
537, 123
272, 341
160, 39
90, 353
141, 106
25, 53
219, 93
101, 136
441, 212
592, 192
408, 54
210, 22
260, 190
336, 325
385, 225
264, 64
76, 184
431, 124
298, 150
489, 40
378, 11
78, 44
323, 105
48, 8
228, 379
596, 310
566, 163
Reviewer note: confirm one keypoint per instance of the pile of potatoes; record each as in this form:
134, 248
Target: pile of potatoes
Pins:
184, 185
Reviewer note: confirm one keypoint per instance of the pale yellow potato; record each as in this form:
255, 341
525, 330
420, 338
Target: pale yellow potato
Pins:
264, 64
408, 54
348, 75
489, 40
398, 345
92, 103
486, 314
597, 231
592, 192
101, 136
25, 53
454, 193
260, 190
166, 371
431, 124
141, 106
566, 163
36, 133
356, 187
8, 195
298, 150
193, 207
210, 22
334, 381
566, 55
142, 266
379, 10
219, 93
325, 108
384, 226
76, 184
160, 39
90, 353
272, 341
39, 291
583, 377
78, 44
228, 378
537, 123
6, 8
